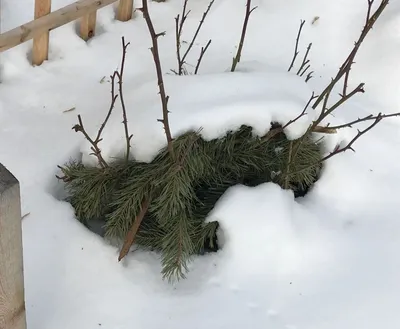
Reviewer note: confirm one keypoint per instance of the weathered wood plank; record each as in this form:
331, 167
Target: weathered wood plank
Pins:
12, 299
40, 51
88, 26
49, 22
125, 10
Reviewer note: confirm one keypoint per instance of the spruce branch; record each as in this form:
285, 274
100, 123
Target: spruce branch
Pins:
202, 52
296, 51
160, 81
179, 23
344, 70
130, 237
236, 59
120, 75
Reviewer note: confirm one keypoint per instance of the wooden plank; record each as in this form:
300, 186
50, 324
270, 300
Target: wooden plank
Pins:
49, 22
12, 295
125, 10
40, 51
88, 26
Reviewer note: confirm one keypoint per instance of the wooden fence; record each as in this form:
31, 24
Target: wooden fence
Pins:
46, 20
12, 300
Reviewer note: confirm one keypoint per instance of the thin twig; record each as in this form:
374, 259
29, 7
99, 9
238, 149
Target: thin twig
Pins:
197, 31
349, 145
202, 52
305, 70
160, 81
95, 148
346, 66
120, 75
309, 76
236, 59
341, 101
305, 60
112, 105
178, 32
366, 118
302, 113
296, 52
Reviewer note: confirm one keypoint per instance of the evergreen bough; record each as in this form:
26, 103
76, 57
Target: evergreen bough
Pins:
184, 190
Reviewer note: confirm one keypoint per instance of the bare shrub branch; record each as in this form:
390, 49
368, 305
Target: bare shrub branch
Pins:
120, 75
96, 151
305, 60
160, 81
349, 145
236, 59
296, 51
366, 118
179, 23
202, 52
344, 70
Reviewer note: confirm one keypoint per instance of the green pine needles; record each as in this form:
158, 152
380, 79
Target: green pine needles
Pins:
182, 191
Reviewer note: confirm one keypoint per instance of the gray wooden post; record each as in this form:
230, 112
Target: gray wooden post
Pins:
12, 299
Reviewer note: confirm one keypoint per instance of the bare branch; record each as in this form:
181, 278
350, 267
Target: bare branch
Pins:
160, 81
296, 52
309, 76
95, 148
366, 118
325, 112
202, 52
349, 145
178, 33
236, 59
346, 66
302, 113
112, 105
305, 60
120, 75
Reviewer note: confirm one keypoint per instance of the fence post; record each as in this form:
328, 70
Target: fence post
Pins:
124, 11
88, 26
40, 51
12, 299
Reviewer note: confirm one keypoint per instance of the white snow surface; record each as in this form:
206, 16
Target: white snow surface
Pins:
329, 260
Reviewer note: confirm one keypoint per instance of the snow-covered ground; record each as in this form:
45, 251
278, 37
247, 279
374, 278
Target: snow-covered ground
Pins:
330, 260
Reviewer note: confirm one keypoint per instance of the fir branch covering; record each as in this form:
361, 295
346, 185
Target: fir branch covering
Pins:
184, 190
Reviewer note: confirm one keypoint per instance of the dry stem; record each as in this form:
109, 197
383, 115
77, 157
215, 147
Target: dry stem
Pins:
202, 52
160, 81
179, 22
346, 66
120, 75
130, 237
296, 52
236, 59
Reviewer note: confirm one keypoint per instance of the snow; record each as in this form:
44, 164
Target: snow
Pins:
329, 260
